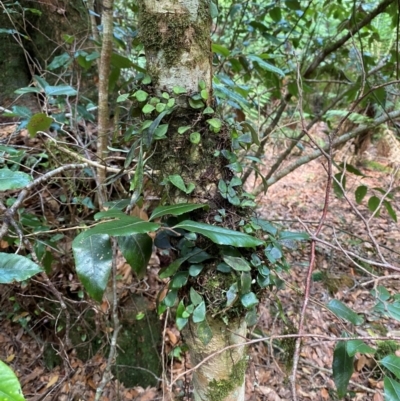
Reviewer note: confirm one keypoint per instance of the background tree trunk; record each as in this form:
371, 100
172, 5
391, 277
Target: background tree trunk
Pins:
35, 34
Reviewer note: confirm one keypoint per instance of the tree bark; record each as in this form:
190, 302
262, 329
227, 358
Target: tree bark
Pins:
176, 37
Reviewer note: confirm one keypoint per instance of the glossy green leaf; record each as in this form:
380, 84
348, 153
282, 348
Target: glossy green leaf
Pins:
249, 300
392, 389
10, 389
60, 90
222, 50
195, 270
181, 322
170, 299
136, 249
176, 210
237, 263
266, 66
199, 313
112, 213
38, 122
195, 297
344, 312
294, 236
373, 204
220, 235
245, 282
179, 280
13, 179
125, 225
120, 61
392, 363
358, 346
342, 367
360, 193
232, 294
390, 210
16, 268
93, 261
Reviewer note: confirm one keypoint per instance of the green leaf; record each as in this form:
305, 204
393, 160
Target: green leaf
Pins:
266, 66
199, 314
344, 312
195, 270
204, 332
245, 282
182, 130
390, 210
27, 89
170, 299
177, 180
373, 204
179, 280
148, 108
249, 300
122, 98
38, 122
342, 367
93, 260
16, 268
231, 294
222, 50
10, 389
141, 95
354, 346
360, 193
120, 61
196, 104
176, 210
13, 179
339, 184
392, 363
392, 389
136, 249
215, 123
179, 90
125, 225
195, 138
220, 235
238, 264
174, 266
195, 297
294, 236
60, 90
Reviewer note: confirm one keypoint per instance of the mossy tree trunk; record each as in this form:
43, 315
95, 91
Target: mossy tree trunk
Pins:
176, 37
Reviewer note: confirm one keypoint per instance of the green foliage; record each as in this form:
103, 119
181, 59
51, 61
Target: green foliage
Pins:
10, 389
16, 268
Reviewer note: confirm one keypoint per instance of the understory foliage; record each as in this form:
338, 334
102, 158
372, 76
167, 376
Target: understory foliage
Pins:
279, 71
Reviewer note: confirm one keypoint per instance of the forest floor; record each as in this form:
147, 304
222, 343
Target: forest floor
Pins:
295, 203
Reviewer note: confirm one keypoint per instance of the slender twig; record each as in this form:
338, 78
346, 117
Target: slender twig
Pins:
107, 375
296, 354
317, 153
9, 213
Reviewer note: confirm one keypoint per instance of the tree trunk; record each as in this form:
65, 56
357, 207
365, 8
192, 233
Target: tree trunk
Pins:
176, 37
36, 33
222, 376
